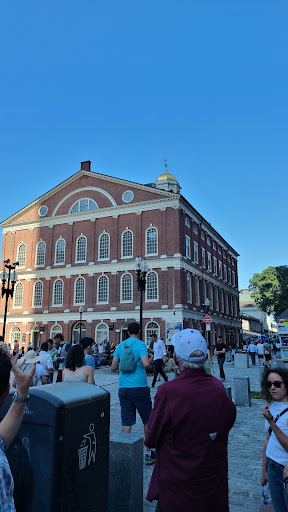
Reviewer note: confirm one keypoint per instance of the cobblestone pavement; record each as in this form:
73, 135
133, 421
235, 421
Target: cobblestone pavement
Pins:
245, 440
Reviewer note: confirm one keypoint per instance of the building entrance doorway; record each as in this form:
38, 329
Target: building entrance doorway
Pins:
35, 337
79, 326
124, 332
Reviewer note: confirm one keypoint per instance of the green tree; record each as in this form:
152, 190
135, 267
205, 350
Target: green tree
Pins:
269, 289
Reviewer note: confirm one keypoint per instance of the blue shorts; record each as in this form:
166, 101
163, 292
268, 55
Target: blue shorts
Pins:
132, 399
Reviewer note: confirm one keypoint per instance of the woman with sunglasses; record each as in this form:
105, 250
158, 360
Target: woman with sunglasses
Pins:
274, 387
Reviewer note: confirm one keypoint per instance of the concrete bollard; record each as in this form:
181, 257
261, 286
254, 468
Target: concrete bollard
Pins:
126, 473
228, 390
242, 391
279, 362
241, 360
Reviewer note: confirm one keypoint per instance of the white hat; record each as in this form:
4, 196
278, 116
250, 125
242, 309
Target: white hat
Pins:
31, 357
187, 341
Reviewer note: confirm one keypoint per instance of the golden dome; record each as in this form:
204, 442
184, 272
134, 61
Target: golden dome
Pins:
166, 176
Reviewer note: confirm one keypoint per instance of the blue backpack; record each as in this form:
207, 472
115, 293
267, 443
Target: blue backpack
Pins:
127, 361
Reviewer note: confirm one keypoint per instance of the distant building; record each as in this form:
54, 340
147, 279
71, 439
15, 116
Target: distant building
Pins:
76, 246
254, 321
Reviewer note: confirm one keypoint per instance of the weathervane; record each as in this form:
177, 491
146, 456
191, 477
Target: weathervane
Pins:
165, 160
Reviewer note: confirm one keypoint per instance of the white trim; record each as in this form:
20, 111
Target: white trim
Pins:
122, 235
121, 288
75, 284
157, 238
109, 239
53, 293
36, 253
97, 297
76, 251
33, 296
152, 300
95, 189
55, 251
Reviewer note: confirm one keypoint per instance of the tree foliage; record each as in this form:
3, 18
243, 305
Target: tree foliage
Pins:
270, 289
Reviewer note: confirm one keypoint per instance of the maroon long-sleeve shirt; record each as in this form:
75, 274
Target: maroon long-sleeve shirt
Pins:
189, 428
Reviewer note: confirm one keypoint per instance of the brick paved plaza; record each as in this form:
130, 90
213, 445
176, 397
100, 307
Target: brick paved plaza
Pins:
245, 440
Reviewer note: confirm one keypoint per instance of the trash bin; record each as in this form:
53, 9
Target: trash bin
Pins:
60, 457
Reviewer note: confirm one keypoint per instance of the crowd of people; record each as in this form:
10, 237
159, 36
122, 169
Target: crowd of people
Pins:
185, 432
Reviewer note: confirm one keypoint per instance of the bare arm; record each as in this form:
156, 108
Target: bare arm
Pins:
264, 479
147, 360
11, 422
90, 375
115, 364
43, 379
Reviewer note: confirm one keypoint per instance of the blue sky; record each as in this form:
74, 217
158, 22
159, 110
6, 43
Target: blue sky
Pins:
126, 84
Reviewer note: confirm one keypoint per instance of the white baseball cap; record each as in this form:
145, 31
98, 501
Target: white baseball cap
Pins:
187, 341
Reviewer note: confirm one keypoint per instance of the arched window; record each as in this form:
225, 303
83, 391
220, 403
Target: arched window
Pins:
18, 295
126, 288
152, 286
79, 291
60, 251
104, 247
40, 254
151, 328
81, 249
38, 294
101, 333
103, 289
127, 244
58, 292
15, 335
189, 288
151, 241
21, 255
84, 205
55, 329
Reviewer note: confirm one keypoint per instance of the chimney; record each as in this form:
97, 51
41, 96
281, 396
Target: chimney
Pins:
85, 166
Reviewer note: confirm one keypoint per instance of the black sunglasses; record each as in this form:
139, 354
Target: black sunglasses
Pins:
276, 383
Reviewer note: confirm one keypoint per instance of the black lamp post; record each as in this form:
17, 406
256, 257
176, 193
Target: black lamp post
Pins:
207, 306
81, 312
141, 268
6, 290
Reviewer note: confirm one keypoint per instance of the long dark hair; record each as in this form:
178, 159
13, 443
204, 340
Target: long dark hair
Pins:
283, 372
75, 358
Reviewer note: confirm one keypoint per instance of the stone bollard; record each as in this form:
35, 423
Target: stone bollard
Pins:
279, 362
242, 391
241, 360
228, 390
126, 473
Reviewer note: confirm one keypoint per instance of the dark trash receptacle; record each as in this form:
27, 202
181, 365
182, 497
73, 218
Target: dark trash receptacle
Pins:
60, 457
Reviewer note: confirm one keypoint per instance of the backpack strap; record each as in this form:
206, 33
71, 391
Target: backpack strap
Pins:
277, 418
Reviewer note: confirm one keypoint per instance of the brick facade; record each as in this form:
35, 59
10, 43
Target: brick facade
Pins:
176, 224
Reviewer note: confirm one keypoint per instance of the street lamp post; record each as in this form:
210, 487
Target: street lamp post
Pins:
6, 290
207, 306
141, 268
81, 312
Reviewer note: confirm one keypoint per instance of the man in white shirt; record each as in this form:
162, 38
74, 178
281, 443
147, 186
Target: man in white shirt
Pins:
260, 352
160, 352
46, 361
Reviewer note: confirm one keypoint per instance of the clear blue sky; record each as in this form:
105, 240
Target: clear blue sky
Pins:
126, 83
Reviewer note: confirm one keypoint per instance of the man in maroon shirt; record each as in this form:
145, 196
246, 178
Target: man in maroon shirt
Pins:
189, 427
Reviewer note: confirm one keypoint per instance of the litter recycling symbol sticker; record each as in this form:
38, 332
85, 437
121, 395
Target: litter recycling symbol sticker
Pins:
87, 450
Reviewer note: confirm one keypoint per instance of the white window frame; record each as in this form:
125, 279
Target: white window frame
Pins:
220, 269
76, 249
195, 228
214, 245
54, 331
19, 257
215, 266
208, 240
79, 303
187, 223
55, 253
225, 275
107, 236
222, 304
154, 327
84, 211
189, 288
123, 277
157, 286
18, 285
53, 295
197, 291
203, 257
15, 335
233, 278
229, 276
106, 278
36, 254
202, 235
188, 247
33, 300
216, 298
100, 339
195, 252
209, 261
211, 296
122, 244
155, 253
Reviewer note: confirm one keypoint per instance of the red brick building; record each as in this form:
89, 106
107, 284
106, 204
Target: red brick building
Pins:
76, 246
